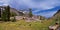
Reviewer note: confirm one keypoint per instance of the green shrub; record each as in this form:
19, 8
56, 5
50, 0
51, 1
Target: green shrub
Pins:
13, 20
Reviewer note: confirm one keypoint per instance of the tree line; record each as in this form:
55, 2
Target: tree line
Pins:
6, 14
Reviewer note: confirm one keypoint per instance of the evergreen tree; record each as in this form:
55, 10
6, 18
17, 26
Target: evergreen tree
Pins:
4, 14
0, 12
8, 12
30, 13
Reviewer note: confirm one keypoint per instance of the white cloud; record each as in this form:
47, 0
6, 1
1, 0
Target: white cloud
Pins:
44, 4
1, 1
48, 4
4, 2
41, 5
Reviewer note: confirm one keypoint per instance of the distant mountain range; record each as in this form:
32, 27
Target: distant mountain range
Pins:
57, 14
21, 12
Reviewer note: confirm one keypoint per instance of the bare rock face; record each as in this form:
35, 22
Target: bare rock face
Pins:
16, 11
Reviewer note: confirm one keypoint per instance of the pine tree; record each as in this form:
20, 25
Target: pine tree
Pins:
30, 13
0, 12
4, 14
8, 12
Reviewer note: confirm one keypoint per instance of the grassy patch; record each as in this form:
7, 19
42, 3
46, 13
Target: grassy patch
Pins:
22, 25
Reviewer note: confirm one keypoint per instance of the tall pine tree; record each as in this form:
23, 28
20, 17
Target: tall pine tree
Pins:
8, 12
0, 12
4, 14
30, 13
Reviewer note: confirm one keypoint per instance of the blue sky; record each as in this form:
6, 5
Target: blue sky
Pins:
45, 8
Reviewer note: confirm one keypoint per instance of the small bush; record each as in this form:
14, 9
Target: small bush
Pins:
13, 20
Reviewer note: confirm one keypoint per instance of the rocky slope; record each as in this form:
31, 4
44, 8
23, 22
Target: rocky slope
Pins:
57, 14
16, 11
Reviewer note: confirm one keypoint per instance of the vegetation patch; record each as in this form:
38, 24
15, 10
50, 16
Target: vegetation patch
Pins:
23, 25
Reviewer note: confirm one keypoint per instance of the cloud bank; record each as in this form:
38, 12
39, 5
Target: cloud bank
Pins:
36, 5
4, 2
39, 4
